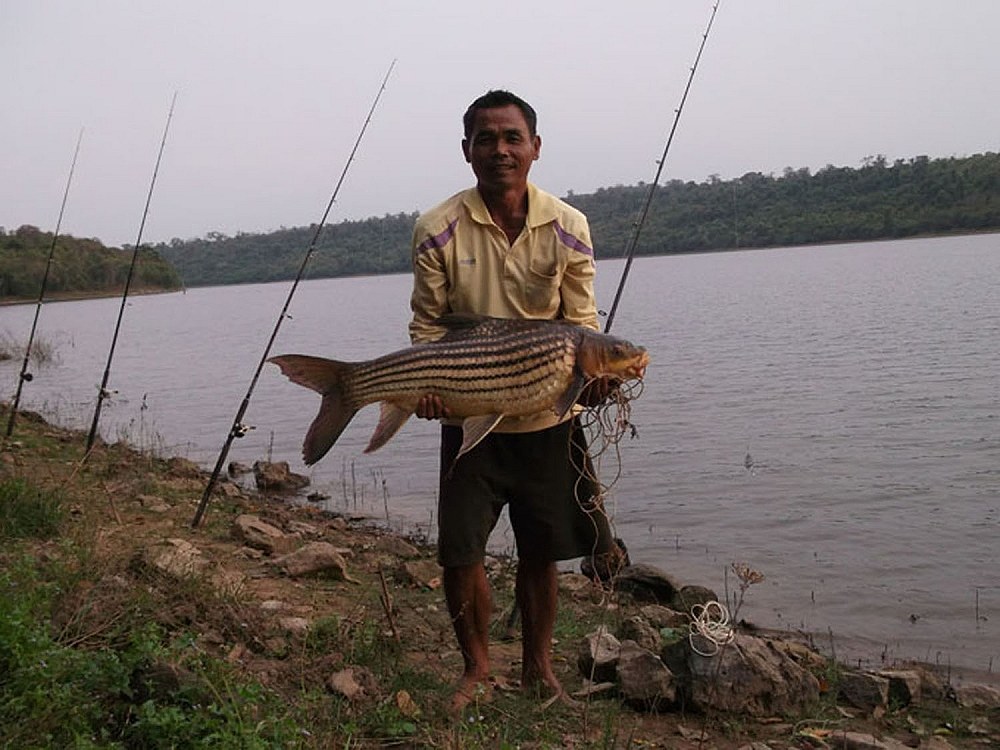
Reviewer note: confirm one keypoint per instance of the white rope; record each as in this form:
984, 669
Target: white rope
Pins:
711, 621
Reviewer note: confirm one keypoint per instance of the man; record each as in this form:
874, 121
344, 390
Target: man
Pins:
507, 249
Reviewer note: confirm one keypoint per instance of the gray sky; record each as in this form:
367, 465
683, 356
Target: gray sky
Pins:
271, 96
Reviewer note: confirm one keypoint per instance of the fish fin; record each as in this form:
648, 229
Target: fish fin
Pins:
474, 429
323, 376
390, 420
333, 417
458, 325
565, 402
316, 373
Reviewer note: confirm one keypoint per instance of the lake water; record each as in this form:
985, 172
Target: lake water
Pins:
863, 381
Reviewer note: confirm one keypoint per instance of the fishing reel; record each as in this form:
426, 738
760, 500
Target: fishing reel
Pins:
241, 430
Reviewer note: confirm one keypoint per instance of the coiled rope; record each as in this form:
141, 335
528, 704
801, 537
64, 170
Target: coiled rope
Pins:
711, 622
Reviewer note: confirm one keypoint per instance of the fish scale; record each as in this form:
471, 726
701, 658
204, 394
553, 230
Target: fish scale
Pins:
482, 370
467, 376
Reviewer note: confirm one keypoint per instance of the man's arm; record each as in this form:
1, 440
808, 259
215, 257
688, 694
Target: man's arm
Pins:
428, 302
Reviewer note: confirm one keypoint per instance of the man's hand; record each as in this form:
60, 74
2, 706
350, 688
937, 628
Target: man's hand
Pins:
430, 407
597, 391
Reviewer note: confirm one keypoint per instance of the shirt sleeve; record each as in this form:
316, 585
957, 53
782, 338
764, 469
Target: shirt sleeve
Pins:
577, 288
429, 300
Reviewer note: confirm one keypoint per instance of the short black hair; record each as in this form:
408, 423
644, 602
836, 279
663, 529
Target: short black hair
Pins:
499, 98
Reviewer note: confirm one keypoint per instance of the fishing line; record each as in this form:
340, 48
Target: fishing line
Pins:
239, 429
102, 391
26, 376
637, 227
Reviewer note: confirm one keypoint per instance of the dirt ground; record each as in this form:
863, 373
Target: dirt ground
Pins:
384, 610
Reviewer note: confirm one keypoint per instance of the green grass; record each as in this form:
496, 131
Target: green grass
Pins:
27, 512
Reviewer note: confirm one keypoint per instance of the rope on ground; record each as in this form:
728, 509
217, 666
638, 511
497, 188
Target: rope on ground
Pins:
711, 622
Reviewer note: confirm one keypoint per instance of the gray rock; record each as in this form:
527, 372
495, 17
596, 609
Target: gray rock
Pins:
647, 583
254, 532
904, 686
663, 617
977, 696
424, 573
863, 690
277, 477
175, 558
688, 596
752, 677
637, 629
644, 679
393, 545
354, 683
314, 558
597, 658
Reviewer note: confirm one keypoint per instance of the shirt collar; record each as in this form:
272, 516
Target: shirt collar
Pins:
541, 207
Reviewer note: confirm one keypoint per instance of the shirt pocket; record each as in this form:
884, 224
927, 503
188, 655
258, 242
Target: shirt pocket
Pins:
541, 289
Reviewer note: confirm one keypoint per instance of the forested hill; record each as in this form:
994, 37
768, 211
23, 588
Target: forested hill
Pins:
80, 267
878, 200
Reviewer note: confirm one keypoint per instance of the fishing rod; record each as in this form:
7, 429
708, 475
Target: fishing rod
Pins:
25, 376
102, 391
637, 227
239, 429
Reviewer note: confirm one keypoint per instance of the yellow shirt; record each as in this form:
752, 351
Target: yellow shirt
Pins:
463, 262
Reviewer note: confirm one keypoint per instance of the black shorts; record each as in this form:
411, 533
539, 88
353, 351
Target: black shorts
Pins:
556, 510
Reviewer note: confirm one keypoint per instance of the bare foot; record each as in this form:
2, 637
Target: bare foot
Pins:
469, 690
550, 689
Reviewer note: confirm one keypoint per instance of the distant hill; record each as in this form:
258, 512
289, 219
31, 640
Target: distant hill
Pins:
80, 267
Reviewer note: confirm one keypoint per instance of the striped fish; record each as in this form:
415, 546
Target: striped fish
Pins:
483, 369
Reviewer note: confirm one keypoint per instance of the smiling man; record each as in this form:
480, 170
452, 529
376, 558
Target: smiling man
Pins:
507, 249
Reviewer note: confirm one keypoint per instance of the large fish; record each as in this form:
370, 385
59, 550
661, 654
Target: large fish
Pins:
483, 369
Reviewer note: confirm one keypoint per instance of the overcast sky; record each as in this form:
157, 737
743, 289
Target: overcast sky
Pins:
272, 95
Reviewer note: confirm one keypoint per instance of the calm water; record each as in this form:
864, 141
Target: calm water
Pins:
863, 381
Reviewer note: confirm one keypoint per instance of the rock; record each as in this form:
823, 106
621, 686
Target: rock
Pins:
354, 683
254, 532
647, 583
153, 503
182, 467
574, 583
393, 545
598, 655
644, 679
313, 558
237, 469
175, 558
228, 489
296, 625
641, 632
904, 686
596, 690
301, 528
864, 690
426, 573
752, 677
977, 696
277, 477
663, 617
604, 567
689, 596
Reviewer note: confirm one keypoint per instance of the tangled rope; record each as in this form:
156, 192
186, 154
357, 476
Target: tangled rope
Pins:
711, 622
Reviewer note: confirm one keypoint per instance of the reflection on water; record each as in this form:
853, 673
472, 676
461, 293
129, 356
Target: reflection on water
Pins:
828, 416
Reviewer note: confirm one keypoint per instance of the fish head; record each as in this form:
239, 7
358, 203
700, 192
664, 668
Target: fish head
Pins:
602, 355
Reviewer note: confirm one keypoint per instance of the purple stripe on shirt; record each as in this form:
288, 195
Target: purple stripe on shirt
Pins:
573, 243
438, 240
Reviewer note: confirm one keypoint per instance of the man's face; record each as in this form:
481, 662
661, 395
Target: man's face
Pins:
500, 148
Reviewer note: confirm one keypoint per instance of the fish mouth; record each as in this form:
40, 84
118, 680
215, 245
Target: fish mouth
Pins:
637, 369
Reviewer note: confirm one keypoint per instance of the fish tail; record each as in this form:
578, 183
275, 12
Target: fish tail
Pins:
326, 377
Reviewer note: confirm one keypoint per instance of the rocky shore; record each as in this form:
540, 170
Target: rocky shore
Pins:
346, 622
